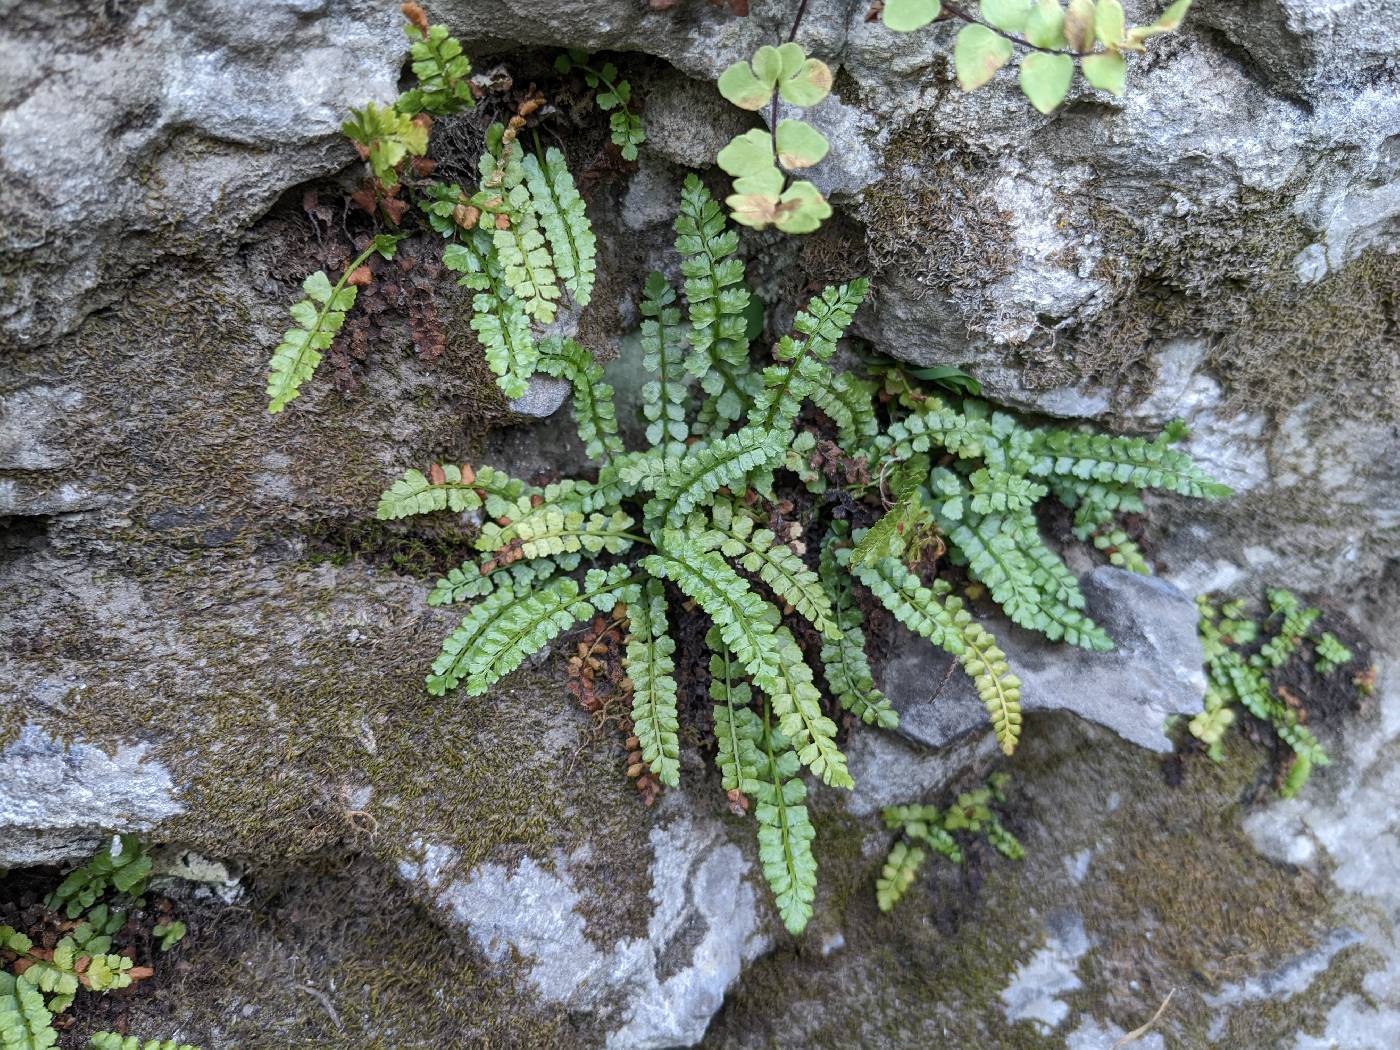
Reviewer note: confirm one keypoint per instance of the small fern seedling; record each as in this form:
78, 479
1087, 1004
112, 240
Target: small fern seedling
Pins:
614, 97
931, 828
1245, 660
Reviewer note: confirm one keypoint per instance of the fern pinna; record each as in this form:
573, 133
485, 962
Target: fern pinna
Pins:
693, 518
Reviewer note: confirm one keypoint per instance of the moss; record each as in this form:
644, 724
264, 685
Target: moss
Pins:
1176, 896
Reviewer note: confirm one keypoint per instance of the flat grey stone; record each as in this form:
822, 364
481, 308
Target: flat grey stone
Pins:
1155, 672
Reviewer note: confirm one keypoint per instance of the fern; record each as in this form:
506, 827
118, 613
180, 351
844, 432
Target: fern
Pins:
716, 299
479, 577
694, 508
802, 369
123, 868
25, 1022
515, 628
785, 831
738, 729
920, 608
1331, 654
318, 318
708, 468
1130, 461
898, 874
561, 214
387, 136
843, 656
759, 552
998, 689
650, 668
1236, 680
664, 398
593, 399
924, 825
451, 487
443, 72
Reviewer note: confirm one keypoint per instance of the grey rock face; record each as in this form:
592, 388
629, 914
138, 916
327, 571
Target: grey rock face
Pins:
655, 991
1154, 673
58, 801
134, 132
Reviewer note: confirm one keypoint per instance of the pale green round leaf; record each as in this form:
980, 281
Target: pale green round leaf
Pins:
808, 85
1079, 25
1106, 71
978, 54
768, 63
790, 59
1045, 79
747, 154
1046, 25
1009, 15
905, 16
752, 209
741, 87
1108, 22
1169, 22
800, 145
766, 183
801, 209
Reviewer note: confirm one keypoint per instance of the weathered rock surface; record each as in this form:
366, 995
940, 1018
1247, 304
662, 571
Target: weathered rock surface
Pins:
60, 800
1154, 673
197, 598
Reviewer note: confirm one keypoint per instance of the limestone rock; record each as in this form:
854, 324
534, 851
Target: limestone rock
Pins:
1154, 673
60, 800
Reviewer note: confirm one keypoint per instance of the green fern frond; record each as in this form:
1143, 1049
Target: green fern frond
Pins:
785, 832
525, 261
478, 578
850, 404
741, 616
562, 215
998, 492
25, 1022
843, 657
919, 608
650, 668
496, 636
123, 868
622, 477
552, 531
443, 74
1025, 578
318, 318
898, 874
934, 425
1122, 550
471, 254
503, 326
664, 398
1297, 623
738, 729
802, 368
923, 824
716, 298
1122, 460
706, 469
998, 689
797, 703
594, 411
113, 1041
1331, 653
416, 493
388, 135
758, 551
